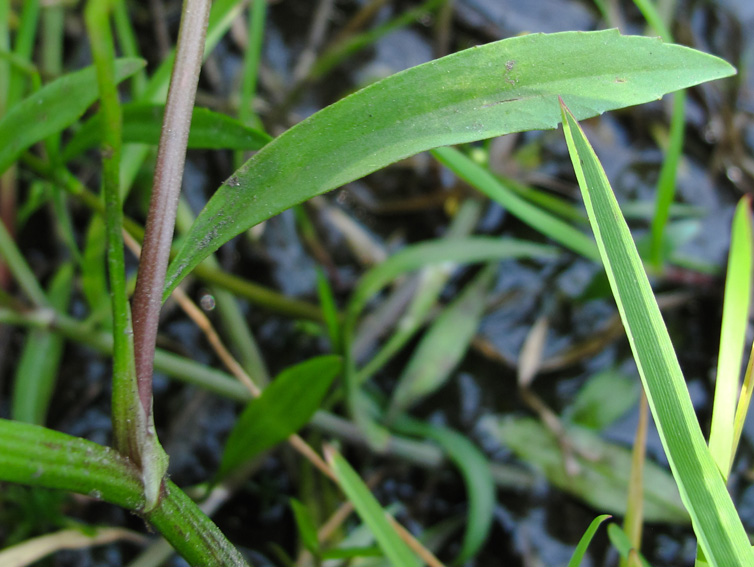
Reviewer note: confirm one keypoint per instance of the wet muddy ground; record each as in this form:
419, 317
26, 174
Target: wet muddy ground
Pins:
535, 523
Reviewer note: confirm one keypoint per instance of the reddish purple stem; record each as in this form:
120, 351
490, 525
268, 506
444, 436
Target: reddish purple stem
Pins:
171, 156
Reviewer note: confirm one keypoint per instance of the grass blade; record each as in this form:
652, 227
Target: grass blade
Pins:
53, 108
477, 477
549, 225
502, 87
370, 511
722, 442
38, 367
716, 523
284, 407
142, 124
443, 346
586, 539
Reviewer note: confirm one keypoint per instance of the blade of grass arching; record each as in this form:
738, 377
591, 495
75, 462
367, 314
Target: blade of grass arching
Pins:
133, 426
38, 367
502, 87
634, 521
284, 407
477, 478
586, 539
370, 511
443, 346
716, 523
52, 108
142, 125
555, 204
549, 225
725, 431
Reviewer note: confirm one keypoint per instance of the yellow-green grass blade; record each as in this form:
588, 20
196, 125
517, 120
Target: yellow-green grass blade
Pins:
716, 523
738, 281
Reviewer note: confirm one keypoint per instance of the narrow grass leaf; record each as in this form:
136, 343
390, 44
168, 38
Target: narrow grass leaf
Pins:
498, 88
371, 513
36, 456
307, 531
620, 541
481, 179
443, 346
329, 311
477, 478
604, 468
284, 407
54, 107
429, 286
604, 398
633, 523
722, 442
466, 250
457, 250
721, 534
352, 552
142, 124
586, 539
37, 369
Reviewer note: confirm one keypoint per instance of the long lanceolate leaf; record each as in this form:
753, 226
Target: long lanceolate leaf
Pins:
507, 86
721, 535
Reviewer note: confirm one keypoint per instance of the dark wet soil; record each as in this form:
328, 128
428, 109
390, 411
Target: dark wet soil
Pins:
534, 524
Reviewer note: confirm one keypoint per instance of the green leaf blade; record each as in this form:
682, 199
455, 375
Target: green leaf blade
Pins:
477, 477
721, 534
586, 539
142, 123
53, 108
495, 89
370, 511
284, 407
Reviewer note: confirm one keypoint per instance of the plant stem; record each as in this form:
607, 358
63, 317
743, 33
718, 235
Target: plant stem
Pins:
171, 157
